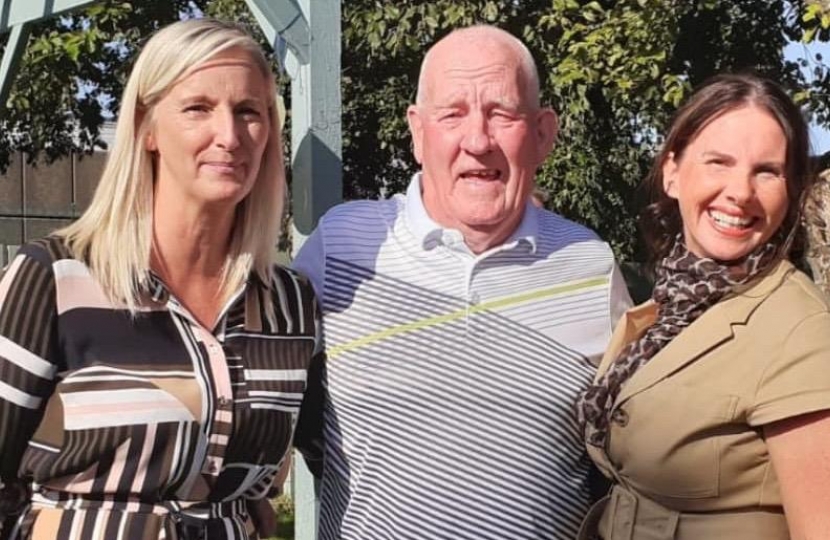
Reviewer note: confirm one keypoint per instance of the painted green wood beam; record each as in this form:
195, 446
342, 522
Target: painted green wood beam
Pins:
19, 16
317, 183
14, 12
283, 19
12, 55
316, 175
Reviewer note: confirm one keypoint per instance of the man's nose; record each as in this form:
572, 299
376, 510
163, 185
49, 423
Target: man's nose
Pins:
477, 139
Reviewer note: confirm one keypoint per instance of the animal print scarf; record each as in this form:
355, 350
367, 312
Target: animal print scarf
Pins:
686, 286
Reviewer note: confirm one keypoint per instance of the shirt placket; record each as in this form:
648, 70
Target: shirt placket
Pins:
219, 398
221, 422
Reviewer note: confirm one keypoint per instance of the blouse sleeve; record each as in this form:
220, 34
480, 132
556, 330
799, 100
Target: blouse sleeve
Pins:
27, 348
797, 379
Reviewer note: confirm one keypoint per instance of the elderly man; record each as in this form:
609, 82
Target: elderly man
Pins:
461, 321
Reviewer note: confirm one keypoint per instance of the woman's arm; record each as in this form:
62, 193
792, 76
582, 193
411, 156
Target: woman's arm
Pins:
800, 452
27, 347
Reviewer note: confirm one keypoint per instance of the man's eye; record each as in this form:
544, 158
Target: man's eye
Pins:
502, 115
196, 108
249, 112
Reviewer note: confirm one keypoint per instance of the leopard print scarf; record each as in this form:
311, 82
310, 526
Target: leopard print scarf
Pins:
686, 286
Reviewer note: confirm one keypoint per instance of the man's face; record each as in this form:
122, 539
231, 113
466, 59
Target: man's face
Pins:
479, 138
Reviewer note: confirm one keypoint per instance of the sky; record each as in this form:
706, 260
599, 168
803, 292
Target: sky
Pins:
819, 137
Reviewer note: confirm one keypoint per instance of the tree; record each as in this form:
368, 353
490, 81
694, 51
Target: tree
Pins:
75, 67
614, 69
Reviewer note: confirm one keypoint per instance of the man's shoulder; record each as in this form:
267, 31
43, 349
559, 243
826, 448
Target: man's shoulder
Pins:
378, 212
552, 224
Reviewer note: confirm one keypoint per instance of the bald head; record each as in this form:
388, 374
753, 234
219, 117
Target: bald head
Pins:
481, 38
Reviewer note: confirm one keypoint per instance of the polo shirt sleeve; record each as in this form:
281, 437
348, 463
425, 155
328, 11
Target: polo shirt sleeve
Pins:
308, 436
620, 300
311, 261
797, 379
28, 351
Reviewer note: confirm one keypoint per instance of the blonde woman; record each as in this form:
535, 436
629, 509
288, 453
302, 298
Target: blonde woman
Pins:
152, 357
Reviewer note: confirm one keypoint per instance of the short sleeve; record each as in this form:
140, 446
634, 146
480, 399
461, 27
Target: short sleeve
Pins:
620, 300
311, 261
797, 379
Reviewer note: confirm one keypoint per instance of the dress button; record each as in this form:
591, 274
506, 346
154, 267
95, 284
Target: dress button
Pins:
619, 417
224, 402
474, 299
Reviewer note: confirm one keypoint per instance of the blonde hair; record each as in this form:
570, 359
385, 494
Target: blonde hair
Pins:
114, 235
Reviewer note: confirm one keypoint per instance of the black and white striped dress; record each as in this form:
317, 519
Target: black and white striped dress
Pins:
129, 425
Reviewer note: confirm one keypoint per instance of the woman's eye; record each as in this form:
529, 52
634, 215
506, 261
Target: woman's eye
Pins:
769, 175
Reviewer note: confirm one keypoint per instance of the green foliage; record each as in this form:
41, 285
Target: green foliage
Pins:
70, 70
74, 69
615, 70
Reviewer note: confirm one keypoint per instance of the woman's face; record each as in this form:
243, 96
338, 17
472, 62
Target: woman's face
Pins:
730, 184
209, 132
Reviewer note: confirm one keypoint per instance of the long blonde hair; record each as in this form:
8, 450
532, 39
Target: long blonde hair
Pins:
114, 235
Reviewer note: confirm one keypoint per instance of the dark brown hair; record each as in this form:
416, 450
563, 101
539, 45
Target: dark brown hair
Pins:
661, 221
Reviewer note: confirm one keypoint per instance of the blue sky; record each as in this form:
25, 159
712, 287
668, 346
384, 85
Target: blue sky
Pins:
820, 138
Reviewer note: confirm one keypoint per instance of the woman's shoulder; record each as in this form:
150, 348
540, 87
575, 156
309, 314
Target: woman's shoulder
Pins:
289, 276
292, 289
798, 292
45, 251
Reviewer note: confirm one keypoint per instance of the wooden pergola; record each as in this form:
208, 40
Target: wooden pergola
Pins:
305, 35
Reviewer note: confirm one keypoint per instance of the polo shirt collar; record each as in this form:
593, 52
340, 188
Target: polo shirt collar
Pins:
431, 235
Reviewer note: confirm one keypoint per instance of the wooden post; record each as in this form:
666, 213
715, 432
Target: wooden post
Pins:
316, 182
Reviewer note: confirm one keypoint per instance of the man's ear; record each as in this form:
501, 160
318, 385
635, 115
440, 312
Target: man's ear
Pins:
547, 129
671, 175
416, 130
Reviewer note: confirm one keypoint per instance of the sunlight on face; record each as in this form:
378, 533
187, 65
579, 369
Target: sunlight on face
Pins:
730, 184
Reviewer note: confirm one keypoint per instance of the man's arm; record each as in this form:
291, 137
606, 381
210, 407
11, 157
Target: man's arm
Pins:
308, 436
310, 261
620, 300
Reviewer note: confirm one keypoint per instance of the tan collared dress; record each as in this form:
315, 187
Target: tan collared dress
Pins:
686, 442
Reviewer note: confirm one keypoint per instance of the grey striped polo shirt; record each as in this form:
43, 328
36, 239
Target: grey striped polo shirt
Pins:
451, 376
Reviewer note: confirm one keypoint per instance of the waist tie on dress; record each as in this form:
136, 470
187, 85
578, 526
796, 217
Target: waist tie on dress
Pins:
627, 515
183, 520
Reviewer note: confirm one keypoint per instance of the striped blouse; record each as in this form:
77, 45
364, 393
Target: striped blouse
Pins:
150, 426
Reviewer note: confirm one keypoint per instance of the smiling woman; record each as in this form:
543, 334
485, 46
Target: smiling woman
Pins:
730, 184
153, 358
711, 407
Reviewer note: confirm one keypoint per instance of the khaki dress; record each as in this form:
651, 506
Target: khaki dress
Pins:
686, 445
